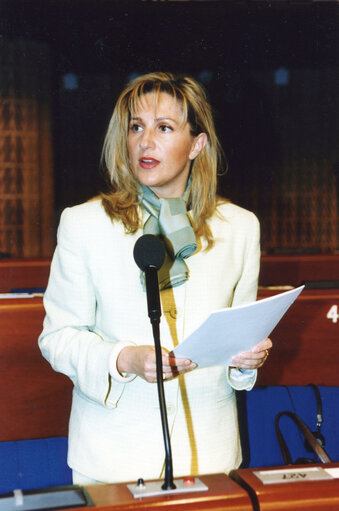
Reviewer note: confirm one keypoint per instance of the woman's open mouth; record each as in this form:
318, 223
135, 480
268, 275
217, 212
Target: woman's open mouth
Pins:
148, 163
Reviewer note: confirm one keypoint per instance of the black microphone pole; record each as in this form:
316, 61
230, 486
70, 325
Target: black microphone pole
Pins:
149, 255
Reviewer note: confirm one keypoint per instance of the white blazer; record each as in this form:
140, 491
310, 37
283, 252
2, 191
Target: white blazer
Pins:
95, 298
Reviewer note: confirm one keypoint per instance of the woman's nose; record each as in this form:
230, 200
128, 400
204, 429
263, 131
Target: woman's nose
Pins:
147, 139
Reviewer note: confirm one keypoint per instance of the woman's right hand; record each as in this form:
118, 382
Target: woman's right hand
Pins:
140, 360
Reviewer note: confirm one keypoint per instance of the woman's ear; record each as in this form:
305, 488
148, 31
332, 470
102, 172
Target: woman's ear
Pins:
198, 144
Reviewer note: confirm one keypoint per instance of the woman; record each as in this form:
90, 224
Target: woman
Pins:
161, 155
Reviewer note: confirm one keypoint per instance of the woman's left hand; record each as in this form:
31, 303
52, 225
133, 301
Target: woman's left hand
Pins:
255, 358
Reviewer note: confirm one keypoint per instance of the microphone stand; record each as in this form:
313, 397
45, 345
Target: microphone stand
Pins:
149, 255
154, 313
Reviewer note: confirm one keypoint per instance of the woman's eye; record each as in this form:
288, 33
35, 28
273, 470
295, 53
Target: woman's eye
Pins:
135, 128
165, 128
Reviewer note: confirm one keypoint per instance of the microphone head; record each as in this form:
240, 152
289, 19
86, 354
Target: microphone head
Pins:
149, 251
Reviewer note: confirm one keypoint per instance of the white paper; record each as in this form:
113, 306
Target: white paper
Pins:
227, 332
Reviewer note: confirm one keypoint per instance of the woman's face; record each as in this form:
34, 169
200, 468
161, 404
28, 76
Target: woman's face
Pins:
160, 145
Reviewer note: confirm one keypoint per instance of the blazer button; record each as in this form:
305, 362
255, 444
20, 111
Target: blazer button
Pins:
174, 313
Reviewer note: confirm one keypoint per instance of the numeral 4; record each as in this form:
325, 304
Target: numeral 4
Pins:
333, 314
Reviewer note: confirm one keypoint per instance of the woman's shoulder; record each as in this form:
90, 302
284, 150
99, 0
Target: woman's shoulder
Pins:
86, 217
230, 212
87, 211
88, 225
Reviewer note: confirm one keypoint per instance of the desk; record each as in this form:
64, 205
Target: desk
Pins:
291, 269
35, 400
305, 342
242, 490
223, 493
275, 270
23, 273
295, 496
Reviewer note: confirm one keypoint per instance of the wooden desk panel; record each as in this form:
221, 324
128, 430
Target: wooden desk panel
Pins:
275, 270
223, 493
34, 399
295, 496
306, 343
294, 269
23, 273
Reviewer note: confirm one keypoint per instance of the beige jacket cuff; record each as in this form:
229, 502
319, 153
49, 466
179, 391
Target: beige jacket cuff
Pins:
241, 379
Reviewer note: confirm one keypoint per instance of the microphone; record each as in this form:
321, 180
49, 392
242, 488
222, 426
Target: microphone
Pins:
149, 255
149, 252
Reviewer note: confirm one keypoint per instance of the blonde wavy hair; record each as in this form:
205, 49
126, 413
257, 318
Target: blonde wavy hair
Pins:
121, 199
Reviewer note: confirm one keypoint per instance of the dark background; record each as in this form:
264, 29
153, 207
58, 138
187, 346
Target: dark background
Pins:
96, 45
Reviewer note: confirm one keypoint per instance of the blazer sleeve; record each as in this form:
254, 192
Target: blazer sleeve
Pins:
247, 286
68, 341
246, 292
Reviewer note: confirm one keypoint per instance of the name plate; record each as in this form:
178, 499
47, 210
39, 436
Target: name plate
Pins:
292, 475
